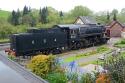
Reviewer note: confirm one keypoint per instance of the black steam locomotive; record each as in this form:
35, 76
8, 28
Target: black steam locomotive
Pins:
57, 39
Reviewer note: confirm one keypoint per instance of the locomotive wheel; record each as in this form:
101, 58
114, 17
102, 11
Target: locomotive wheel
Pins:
55, 51
85, 43
78, 45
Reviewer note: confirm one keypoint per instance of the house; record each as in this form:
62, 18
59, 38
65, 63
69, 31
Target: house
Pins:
114, 29
85, 20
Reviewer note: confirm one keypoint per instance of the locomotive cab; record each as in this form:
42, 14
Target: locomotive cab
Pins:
74, 33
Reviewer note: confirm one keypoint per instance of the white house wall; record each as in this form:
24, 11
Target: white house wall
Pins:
79, 21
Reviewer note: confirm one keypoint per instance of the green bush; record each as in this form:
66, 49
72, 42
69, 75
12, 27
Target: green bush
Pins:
102, 49
41, 65
56, 77
87, 78
73, 77
116, 68
122, 41
120, 44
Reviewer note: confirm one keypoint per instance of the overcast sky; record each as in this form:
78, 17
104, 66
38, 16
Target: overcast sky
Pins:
64, 5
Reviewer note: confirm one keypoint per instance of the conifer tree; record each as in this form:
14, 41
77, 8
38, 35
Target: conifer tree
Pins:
25, 10
114, 17
43, 15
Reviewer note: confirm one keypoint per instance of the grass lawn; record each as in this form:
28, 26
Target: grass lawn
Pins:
120, 44
4, 40
4, 14
96, 62
100, 49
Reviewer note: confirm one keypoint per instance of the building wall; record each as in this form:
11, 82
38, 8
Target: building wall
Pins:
79, 21
123, 34
115, 31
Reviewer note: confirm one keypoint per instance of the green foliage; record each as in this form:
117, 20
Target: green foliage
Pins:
14, 18
73, 77
101, 17
56, 77
4, 14
4, 40
48, 68
120, 43
41, 64
5, 29
87, 78
26, 19
33, 18
53, 16
25, 10
43, 15
116, 68
80, 11
100, 49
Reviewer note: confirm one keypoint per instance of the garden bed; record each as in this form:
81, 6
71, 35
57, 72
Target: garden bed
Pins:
99, 50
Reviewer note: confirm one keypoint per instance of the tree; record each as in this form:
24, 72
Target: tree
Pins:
101, 17
108, 16
53, 16
61, 14
27, 19
80, 11
25, 10
18, 14
43, 15
29, 9
15, 17
121, 15
114, 17
114, 13
40, 13
122, 11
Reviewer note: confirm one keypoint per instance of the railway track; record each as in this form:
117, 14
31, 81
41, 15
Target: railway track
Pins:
32, 78
4, 46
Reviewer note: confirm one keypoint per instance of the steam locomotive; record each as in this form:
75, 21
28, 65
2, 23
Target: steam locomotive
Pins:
57, 39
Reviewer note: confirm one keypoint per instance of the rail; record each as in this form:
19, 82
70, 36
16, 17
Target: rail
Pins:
4, 44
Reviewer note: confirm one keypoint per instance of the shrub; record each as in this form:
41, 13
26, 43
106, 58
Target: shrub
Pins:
103, 78
41, 64
87, 78
122, 41
72, 77
116, 69
56, 77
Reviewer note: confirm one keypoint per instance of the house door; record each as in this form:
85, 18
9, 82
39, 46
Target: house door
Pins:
108, 33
